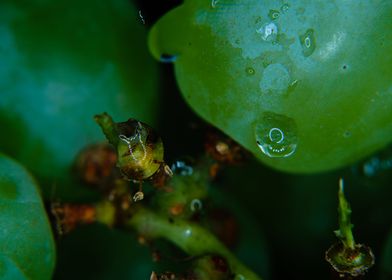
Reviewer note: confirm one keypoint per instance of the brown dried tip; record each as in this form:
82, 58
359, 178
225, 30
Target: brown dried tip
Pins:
224, 149
68, 216
96, 163
162, 176
350, 262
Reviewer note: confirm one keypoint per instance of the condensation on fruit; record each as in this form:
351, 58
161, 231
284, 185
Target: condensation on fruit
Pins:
276, 135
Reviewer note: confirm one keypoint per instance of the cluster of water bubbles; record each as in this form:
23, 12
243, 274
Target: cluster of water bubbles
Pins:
182, 168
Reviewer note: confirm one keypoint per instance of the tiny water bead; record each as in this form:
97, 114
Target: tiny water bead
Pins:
268, 31
285, 8
276, 135
167, 58
273, 14
308, 42
250, 71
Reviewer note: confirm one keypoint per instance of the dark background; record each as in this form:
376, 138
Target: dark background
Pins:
297, 214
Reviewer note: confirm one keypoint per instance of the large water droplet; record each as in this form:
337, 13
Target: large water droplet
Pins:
308, 42
268, 31
167, 58
276, 135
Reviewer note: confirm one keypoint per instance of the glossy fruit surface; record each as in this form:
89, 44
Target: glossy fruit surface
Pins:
305, 85
26, 243
61, 63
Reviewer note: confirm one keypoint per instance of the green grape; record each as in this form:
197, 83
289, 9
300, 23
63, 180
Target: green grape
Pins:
61, 63
305, 85
26, 243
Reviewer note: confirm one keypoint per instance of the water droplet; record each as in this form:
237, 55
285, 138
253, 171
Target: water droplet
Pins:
167, 58
250, 71
273, 14
268, 31
196, 205
285, 8
308, 42
214, 3
182, 168
276, 79
276, 135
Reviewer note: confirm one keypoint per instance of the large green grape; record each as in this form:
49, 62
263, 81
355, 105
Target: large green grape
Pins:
305, 85
62, 62
26, 244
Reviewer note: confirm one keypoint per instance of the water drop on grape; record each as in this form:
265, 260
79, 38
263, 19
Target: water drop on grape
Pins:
276, 135
250, 71
308, 42
285, 8
273, 14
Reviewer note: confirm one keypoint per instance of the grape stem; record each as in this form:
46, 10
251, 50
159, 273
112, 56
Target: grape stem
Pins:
191, 238
108, 127
344, 233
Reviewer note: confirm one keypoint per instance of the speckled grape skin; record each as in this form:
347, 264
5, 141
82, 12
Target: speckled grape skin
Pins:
336, 85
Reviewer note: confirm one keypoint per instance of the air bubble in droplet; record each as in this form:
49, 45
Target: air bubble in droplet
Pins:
276, 135
180, 167
273, 14
167, 58
268, 31
308, 42
250, 71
